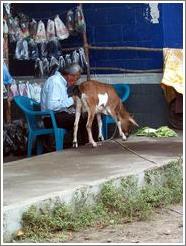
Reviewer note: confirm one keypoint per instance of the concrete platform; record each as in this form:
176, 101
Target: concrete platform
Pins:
58, 175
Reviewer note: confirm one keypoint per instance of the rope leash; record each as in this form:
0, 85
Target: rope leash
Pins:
134, 152
127, 148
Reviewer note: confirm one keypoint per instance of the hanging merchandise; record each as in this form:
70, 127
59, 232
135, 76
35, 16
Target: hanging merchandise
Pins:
41, 33
22, 89
70, 22
61, 62
6, 8
53, 61
54, 65
45, 66
38, 68
80, 25
61, 30
50, 30
68, 59
33, 49
21, 52
35, 91
14, 89
42, 48
24, 24
33, 28
75, 57
5, 27
54, 49
14, 31
83, 60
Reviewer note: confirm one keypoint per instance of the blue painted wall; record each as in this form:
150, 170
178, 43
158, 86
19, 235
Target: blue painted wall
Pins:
120, 24
172, 16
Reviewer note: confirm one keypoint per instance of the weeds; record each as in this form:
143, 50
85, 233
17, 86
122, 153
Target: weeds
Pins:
113, 204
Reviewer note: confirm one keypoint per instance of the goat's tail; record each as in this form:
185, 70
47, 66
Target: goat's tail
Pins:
76, 91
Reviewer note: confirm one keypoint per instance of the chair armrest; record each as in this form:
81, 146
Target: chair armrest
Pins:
43, 113
38, 113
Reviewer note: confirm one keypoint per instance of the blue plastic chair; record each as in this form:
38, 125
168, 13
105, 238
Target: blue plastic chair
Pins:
33, 117
123, 91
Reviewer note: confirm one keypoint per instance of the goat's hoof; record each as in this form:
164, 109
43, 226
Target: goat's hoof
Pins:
94, 145
75, 145
124, 138
100, 139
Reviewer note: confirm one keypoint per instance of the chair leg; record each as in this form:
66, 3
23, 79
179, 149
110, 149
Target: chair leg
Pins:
29, 148
39, 145
105, 129
59, 138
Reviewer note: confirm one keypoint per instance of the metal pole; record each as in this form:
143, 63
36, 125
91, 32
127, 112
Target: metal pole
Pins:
125, 48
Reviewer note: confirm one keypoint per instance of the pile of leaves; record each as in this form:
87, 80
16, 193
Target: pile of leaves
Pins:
163, 131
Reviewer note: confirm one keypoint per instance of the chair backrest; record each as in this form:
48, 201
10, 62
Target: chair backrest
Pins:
123, 91
26, 105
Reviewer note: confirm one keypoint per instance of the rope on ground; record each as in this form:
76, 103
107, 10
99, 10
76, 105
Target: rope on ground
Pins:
127, 148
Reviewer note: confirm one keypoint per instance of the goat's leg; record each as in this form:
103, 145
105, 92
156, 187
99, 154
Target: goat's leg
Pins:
115, 117
99, 120
76, 122
121, 133
89, 127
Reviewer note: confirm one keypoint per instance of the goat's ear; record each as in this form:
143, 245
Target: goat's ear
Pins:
133, 121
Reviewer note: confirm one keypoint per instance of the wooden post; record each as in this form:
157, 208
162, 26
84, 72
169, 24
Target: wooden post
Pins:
5, 58
86, 48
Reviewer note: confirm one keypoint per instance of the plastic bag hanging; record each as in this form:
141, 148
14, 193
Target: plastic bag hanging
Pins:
5, 27
80, 25
45, 66
70, 22
38, 68
61, 62
61, 30
75, 57
33, 49
21, 51
33, 28
24, 24
82, 57
50, 30
54, 66
42, 48
41, 33
68, 59
14, 30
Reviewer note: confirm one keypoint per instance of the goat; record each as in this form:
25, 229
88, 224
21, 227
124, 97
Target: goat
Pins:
96, 98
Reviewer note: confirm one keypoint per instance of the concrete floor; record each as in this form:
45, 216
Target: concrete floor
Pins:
44, 176
57, 171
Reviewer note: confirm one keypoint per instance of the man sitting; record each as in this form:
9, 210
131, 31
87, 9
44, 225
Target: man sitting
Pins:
54, 96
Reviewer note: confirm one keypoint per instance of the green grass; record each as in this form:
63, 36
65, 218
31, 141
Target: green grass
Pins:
127, 202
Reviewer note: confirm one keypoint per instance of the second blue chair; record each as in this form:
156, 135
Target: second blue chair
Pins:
123, 91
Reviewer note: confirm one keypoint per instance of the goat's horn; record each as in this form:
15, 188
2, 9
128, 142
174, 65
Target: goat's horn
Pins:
133, 121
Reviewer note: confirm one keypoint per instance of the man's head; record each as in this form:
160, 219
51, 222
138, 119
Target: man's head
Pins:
72, 73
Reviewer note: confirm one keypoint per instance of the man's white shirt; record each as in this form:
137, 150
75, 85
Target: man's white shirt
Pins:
54, 94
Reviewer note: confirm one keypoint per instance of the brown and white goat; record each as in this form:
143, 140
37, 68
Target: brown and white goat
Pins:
97, 98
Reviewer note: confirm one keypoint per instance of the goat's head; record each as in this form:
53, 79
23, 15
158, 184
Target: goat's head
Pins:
127, 124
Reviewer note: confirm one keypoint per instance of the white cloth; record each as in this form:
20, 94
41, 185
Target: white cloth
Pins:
54, 94
35, 91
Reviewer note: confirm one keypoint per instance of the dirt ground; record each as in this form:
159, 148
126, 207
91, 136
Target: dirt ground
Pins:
165, 226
